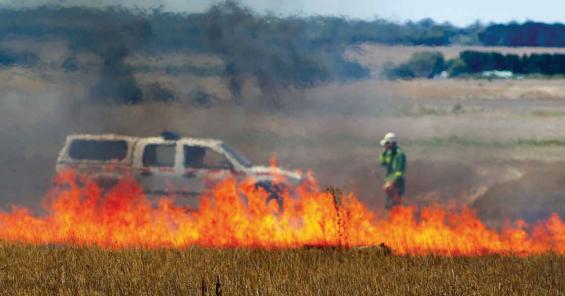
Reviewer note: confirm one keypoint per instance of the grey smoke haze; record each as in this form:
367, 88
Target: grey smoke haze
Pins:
113, 41
333, 132
279, 53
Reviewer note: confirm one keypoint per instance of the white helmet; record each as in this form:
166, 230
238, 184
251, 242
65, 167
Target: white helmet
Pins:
389, 138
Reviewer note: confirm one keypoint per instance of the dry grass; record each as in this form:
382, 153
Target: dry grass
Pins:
44, 270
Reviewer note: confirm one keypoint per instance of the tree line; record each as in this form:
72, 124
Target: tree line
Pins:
476, 62
526, 34
430, 64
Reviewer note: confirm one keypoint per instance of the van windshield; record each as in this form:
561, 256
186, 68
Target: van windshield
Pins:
240, 158
98, 150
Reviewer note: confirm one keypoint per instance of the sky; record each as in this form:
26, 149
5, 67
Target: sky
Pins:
454, 11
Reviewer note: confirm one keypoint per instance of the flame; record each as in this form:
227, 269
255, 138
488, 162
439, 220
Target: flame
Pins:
234, 214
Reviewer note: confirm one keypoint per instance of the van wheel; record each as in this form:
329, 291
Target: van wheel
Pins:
274, 193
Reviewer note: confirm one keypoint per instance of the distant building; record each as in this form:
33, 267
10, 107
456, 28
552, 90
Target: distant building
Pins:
498, 74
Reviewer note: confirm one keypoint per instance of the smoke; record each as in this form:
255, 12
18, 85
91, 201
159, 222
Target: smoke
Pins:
277, 52
272, 53
118, 35
110, 34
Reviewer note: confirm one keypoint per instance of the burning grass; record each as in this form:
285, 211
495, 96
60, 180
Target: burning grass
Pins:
43, 270
235, 215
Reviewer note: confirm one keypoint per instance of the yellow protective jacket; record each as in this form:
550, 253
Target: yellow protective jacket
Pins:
395, 162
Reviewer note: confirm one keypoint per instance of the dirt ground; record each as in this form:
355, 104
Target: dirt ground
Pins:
497, 146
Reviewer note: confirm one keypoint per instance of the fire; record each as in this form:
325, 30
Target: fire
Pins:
234, 214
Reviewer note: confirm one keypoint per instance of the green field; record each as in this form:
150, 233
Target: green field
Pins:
49, 270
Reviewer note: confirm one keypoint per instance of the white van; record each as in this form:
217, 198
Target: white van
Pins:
166, 165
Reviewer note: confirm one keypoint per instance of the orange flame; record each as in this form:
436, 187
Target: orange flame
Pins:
234, 214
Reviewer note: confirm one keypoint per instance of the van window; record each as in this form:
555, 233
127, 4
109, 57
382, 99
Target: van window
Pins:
199, 157
159, 155
99, 150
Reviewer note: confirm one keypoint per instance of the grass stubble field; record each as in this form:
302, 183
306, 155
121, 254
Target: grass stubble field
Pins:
56, 270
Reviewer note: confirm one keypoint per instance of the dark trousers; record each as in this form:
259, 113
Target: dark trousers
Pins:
394, 198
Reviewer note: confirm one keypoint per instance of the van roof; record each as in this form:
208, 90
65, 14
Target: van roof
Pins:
196, 141
110, 137
100, 137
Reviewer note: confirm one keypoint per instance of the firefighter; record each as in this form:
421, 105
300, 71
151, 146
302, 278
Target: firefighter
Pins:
394, 160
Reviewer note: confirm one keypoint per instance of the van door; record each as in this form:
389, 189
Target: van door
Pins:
158, 167
204, 167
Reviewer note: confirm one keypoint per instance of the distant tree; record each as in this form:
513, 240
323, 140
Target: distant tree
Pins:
22, 59
513, 62
526, 34
456, 67
476, 62
425, 64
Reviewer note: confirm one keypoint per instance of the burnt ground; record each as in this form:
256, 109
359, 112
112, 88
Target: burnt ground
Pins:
529, 190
